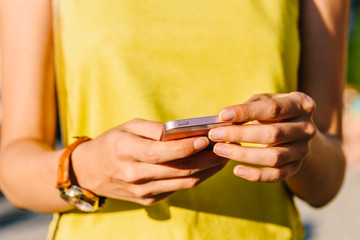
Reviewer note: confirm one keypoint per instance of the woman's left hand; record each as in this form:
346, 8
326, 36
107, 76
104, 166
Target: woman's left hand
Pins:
281, 123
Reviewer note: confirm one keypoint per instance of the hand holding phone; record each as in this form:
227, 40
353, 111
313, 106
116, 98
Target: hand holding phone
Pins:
191, 127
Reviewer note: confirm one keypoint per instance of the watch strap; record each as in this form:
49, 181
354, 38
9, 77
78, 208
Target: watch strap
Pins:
63, 180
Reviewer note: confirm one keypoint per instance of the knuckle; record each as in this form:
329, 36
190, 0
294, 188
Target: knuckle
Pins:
307, 103
148, 201
275, 158
181, 149
297, 94
242, 154
191, 183
274, 134
310, 129
273, 108
243, 111
130, 175
119, 149
186, 172
136, 121
152, 156
276, 177
130, 124
140, 192
255, 177
256, 97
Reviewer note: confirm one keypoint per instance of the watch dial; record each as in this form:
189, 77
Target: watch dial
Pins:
85, 206
74, 195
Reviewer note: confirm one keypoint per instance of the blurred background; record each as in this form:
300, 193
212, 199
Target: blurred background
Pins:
338, 220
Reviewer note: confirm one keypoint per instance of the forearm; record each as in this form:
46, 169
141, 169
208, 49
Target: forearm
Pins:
322, 70
28, 174
322, 172
323, 27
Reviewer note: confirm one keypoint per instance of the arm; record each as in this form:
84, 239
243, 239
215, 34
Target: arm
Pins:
126, 162
28, 162
324, 29
301, 147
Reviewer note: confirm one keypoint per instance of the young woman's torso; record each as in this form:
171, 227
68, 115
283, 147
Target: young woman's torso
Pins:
163, 60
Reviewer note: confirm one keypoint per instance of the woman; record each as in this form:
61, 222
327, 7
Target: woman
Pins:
158, 60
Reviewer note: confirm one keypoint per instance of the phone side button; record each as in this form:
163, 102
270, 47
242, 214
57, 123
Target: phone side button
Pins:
183, 123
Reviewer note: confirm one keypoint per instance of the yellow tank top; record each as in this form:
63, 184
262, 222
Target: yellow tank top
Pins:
163, 60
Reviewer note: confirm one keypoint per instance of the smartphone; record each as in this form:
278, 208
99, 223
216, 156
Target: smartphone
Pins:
191, 127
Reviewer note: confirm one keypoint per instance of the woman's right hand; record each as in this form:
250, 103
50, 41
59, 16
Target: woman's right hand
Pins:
129, 163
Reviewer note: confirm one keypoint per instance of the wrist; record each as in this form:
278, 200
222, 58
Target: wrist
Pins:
81, 166
67, 183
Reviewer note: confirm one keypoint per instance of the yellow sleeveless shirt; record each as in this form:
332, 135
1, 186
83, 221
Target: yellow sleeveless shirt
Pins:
163, 60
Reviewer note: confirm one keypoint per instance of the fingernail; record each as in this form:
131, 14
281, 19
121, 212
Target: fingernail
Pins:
221, 149
240, 172
201, 143
227, 115
216, 134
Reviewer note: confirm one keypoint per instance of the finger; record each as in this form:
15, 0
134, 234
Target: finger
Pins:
271, 134
153, 188
266, 156
150, 200
147, 129
126, 191
150, 192
258, 97
267, 175
277, 108
156, 152
144, 172
147, 201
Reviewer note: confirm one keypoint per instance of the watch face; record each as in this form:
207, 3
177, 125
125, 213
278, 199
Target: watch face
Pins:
85, 206
75, 196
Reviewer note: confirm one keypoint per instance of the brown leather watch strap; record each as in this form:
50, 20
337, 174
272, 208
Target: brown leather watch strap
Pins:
63, 180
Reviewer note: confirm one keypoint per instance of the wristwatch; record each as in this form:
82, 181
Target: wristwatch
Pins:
77, 196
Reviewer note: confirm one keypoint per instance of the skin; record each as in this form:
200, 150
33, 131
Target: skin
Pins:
300, 145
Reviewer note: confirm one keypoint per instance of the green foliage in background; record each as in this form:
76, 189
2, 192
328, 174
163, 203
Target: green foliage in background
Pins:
353, 75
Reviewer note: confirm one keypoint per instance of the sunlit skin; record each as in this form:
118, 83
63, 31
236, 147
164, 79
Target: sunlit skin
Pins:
299, 144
